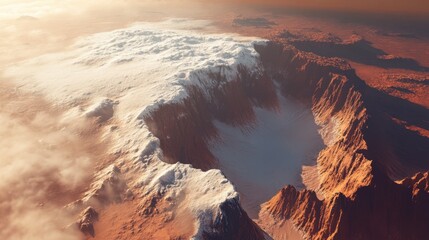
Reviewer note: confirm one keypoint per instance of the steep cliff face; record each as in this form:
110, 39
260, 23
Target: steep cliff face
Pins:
186, 128
337, 107
366, 151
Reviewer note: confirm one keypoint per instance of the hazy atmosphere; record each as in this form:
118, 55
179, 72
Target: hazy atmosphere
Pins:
197, 119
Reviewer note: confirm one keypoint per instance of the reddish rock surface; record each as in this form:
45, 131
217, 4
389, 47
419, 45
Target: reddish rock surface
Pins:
366, 151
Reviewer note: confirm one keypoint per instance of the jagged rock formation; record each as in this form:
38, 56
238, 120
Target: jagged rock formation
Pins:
233, 223
418, 183
366, 150
385, 212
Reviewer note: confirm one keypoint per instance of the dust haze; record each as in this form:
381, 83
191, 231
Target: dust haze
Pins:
45, 159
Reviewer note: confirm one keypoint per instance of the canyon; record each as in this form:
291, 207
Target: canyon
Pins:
355, 121
202, 135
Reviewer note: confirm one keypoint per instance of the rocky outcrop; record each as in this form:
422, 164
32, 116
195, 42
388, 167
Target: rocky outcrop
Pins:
86, 222
233, 223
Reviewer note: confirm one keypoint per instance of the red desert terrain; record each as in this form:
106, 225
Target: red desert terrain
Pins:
326, 137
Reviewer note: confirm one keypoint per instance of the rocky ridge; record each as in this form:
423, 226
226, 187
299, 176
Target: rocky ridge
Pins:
366, 151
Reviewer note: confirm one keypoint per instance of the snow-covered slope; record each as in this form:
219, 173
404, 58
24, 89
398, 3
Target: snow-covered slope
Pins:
122, 75
142, 65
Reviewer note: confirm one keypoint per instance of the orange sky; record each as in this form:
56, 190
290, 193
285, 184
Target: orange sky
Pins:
417, 7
